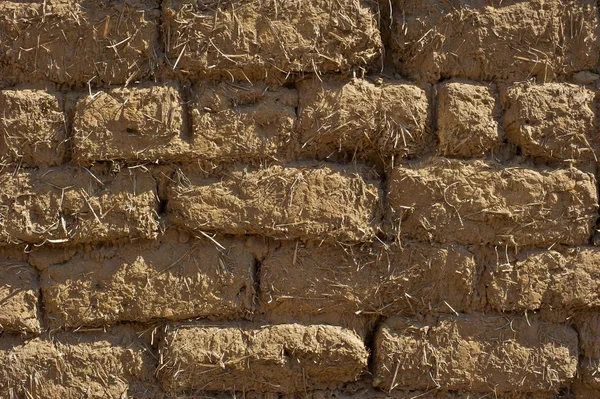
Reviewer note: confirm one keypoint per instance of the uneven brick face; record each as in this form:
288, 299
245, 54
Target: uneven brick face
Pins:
69, 366
495, 354
281, 202
144, 123
280, 358
547, 280
76, 41
68, 205
19, 295
32, 127
483, 40
299, 280
482, 203
243, 122
359, 119
467, 119
553, 122
253, 37
176, 278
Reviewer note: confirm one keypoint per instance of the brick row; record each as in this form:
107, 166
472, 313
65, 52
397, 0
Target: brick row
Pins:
474, 353
181, 277
498, 40
329, 118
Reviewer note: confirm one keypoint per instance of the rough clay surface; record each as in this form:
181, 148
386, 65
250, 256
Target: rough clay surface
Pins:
64, 366
546, 280
279, 358
496, 354
178, 278
255, 37
66, 204
243, 122
362, 119
468, 117
493, 40
299, 199
19, 296
145, 123
553, 121
370, 281
77, 41
481, 203
32, 128
280, 202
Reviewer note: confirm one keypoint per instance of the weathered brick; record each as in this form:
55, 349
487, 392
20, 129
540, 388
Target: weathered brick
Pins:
552, 122
176, 278
487, 40
19, 294
32, 127
419, 278
144, 123
243, 122
78, 41
476, 353
360, 119
546, 280
326, 202
68, 366
483, 203
467, 119
270, 36
65, 204
279, 358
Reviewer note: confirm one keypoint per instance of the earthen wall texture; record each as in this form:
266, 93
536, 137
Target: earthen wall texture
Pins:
292, 199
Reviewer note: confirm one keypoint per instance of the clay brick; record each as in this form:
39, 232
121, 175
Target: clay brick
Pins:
144, 123
546, 280
362, 120
483, 203
476, 353
78, 41
19, 294
32, 127
68, 205
419, 278
270, 36
467, 119
326, 202
552, 122
487, 40
279, 358
140, 282
65, 366
243, 122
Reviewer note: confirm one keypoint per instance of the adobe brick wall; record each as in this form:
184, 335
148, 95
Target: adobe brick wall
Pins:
299, 199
